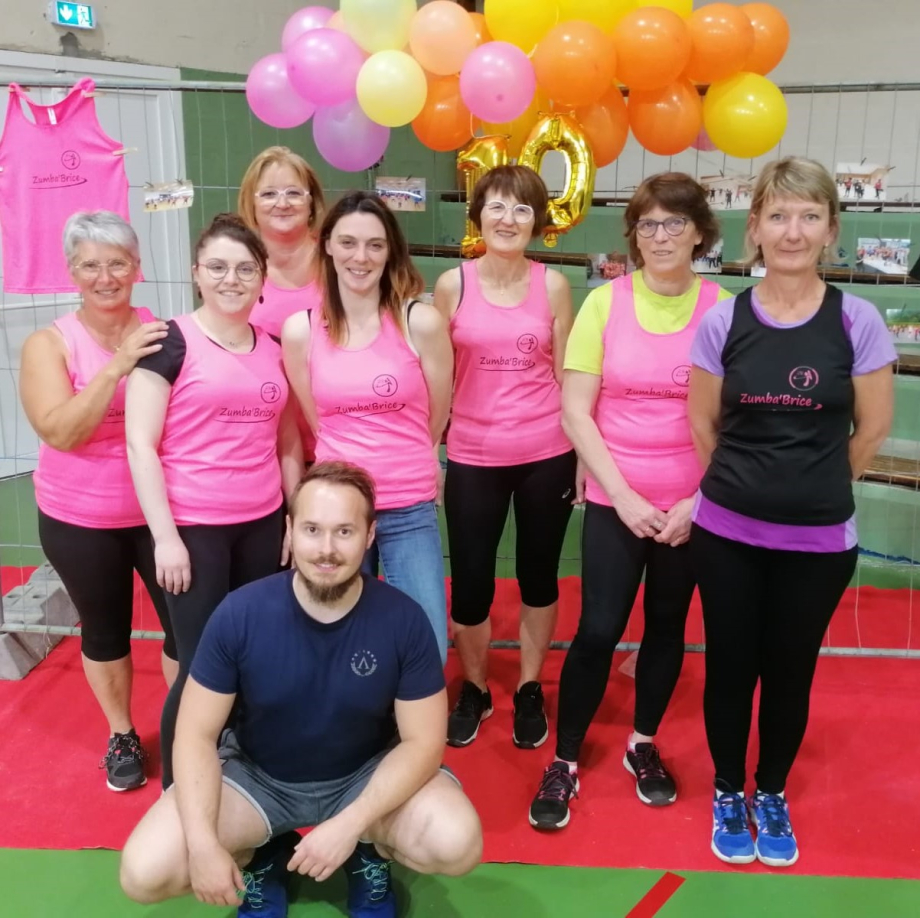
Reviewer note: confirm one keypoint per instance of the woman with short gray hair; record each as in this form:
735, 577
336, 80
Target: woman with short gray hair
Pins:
91, 528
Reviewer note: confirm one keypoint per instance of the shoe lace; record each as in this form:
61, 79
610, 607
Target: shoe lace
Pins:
470, 701
556, 785
529, 704
732, 813
775, 816
377, 873
254, 880
649, 764
124, 747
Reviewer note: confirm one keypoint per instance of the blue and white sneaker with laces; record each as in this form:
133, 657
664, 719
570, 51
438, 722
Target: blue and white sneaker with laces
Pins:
776, 845
369, 892
266, 879
732, 841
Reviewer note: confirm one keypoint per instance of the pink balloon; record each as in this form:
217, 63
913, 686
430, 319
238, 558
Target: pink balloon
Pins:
271, 96
347, 139
310, 17
703, 143
497, 82
323, 66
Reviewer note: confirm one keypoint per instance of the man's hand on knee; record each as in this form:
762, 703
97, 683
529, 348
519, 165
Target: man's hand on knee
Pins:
325, 849
215, 876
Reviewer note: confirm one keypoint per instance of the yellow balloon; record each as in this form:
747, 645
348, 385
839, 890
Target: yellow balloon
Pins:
392, 88
479, 156
683, 8
519, 130
745, 115
605, 14
563, 134
520, 22
378, 25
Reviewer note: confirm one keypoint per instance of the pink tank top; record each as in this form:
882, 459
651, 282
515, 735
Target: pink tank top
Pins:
507, 406
91, 485
219, 449
373, 411
641, 410
52, 168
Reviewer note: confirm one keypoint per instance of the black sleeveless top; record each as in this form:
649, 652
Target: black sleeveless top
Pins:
782, 454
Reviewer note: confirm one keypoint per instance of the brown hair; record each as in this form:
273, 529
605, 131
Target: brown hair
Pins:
678, 193
344, 474
401, 280
517, 182
231, 226
279, 156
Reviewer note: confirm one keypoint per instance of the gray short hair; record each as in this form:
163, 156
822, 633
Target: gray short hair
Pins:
102, 227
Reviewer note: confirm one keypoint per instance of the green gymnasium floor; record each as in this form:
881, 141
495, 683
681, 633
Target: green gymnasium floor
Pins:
83, 884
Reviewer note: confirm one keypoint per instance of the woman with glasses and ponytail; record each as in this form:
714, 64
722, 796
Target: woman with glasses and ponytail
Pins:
211, 441
509, 321
624, 406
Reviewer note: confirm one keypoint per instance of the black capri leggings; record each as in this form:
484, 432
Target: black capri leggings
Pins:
222, 559
613, 561
97, 569
476, 500
765, 611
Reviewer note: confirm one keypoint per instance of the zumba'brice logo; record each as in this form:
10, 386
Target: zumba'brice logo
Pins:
70, 159
363, 663
271, 392
385, 385
681, 375
803, 378
527, 344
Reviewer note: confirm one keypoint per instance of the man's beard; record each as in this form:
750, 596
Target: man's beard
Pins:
327, 593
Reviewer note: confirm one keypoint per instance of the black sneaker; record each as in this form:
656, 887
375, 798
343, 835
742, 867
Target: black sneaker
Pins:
654, 784
472, 708
124, 762
530, 726
550, 808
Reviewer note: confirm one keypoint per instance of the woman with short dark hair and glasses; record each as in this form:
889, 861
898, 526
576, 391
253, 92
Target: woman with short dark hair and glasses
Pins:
211, 442
91, 528
624, 406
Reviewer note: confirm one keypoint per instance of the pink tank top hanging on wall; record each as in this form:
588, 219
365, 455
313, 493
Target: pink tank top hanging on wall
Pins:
51, 168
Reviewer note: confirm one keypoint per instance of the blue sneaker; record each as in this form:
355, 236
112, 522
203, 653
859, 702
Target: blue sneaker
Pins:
732, 841
369, 892
776, 845
266, 880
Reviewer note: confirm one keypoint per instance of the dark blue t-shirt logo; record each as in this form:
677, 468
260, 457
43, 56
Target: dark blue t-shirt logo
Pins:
363, 663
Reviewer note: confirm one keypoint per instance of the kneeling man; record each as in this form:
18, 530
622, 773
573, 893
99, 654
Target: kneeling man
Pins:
314, 663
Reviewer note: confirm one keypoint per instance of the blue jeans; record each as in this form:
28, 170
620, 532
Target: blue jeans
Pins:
408, 551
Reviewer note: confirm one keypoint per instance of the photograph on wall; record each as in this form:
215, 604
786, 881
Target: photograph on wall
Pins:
883, 256
710, 262
608, 266
837, 257
862, 182
904, 324
168, 195
729, 190
406, 194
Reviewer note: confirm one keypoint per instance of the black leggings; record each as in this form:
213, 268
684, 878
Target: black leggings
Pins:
765, 613
97, 569
476, 500
613, 561
222, 559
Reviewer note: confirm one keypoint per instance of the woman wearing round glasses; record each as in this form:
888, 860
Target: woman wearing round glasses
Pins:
91, 528
509, 320
210, 443
627, 369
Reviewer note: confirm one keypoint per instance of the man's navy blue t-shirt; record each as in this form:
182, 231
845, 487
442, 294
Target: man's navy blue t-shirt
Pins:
315, 701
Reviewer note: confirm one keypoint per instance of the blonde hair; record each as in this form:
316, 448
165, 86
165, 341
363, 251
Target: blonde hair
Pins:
279, 156
791, 177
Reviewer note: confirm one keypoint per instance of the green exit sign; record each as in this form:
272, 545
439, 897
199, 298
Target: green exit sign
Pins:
72, 15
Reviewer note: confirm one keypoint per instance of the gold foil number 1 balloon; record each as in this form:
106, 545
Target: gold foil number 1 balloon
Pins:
478, 157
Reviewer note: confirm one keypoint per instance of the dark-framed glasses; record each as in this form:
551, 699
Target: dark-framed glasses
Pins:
520, 213
246, 271
117, 267
296, 197
673, 226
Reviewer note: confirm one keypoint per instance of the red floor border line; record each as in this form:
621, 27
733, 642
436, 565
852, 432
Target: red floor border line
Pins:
650, 904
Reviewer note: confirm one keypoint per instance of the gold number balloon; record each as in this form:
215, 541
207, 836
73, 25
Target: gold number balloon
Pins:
562, 133
475, 159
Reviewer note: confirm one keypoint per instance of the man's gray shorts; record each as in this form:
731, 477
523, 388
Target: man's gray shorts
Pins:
285, 805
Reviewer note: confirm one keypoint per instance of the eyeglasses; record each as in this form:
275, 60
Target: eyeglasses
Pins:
246, 271
673, 226
297, 197
520, 213
117, 267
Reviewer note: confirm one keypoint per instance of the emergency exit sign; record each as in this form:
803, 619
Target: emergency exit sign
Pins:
72, 15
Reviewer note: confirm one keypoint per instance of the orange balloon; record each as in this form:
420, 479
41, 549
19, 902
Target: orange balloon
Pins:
771, 37
482, 30
337, 22
652, 47
574, 63
445, 123
723, 38
519, 129
666, 121
606, 125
